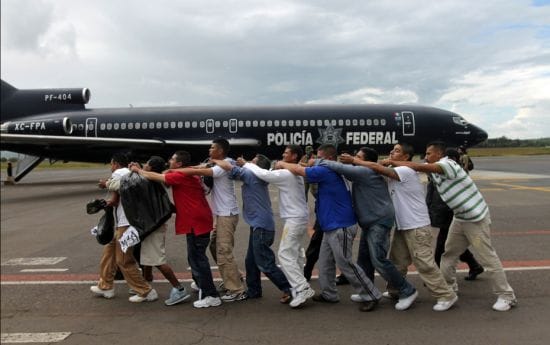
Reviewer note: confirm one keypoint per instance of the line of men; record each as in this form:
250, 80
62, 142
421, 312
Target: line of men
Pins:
381, 195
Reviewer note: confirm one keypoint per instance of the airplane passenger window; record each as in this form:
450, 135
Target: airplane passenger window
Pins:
151, 125
165, 125
138, 125
180, 124
333, 122
131, 125
354, 122
102, 126
327, 122
201, 124
340, 122
225, 124
347, 122
383, 122
218, 123
298, 123
173, 124
123, 125
159, 125
319, 123
90, 126
361, 122
194, 124
283, 123
276, 123
375, 122
187, 124
247, 123
269, 123
369, 122
262, 123
109, 126
144, 125
115, 126
255, 123
81, 126
291, 123
241, 123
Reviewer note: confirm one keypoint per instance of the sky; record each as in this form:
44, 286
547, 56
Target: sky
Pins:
486, 60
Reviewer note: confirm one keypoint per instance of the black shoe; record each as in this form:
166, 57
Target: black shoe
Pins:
368, 306
308, 272
342, 280
321, 298
474, 272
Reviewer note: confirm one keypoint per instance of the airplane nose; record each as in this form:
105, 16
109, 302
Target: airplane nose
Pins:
478, 135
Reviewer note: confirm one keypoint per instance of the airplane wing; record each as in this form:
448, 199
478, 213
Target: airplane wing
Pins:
47, 140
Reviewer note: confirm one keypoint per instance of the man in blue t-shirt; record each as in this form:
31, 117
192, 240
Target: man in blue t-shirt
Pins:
337, 220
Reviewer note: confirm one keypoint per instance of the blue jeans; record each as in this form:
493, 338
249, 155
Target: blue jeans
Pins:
260, 258
373, 252
200, 267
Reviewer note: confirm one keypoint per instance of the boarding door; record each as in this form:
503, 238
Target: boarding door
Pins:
91, 127
408, 123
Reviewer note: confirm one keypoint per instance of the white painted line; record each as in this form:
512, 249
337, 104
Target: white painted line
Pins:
92, 282
42, 270
52, 337
33, 261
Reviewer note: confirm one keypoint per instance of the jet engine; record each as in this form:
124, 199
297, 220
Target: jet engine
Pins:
62, 126
18, 103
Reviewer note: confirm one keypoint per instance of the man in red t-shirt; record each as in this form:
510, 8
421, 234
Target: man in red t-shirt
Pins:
194, 219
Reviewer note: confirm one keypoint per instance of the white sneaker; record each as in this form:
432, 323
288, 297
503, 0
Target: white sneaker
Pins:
301, 297
194, 286
504, 304
103, 293
445, 305
405, 303
357, 298
208, 301
151, 296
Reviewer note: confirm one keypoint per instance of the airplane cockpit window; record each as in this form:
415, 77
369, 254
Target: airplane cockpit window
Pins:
459, 120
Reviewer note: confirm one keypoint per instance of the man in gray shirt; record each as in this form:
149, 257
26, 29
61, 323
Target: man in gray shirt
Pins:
375, 214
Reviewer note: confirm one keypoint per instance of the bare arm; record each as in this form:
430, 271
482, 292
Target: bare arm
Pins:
421, 167
378, 168
150, 175
296, 169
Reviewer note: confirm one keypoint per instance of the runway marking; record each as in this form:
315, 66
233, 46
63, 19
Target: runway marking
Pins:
36, 270
82, 279
33, 261
518, 187
17, 338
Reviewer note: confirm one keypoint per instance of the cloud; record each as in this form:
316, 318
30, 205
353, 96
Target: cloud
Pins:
370, 95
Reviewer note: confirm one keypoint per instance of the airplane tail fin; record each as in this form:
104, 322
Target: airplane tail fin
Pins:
22, 102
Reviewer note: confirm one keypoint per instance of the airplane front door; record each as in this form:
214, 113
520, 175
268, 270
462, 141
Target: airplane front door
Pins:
91, 127
408, 123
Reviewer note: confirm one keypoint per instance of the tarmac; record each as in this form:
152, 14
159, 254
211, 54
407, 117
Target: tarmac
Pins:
49, 260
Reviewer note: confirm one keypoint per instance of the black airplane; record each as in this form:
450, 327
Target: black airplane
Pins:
54, 124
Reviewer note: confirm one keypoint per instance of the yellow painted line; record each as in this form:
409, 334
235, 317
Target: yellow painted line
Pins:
516, 187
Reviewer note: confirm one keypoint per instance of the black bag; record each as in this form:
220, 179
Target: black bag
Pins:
470, 164
106, 227
146, 204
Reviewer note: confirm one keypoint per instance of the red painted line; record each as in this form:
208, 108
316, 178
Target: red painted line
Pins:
215, 274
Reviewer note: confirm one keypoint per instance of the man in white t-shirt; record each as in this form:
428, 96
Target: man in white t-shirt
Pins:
113, 256
412, 241
226, 210
471, 223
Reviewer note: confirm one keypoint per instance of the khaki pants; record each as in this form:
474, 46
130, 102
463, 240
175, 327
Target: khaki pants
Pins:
415, 246
225, 241
478, 235
112, 257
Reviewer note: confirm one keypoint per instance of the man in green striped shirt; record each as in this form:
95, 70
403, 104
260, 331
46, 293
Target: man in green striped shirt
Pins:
471, 222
